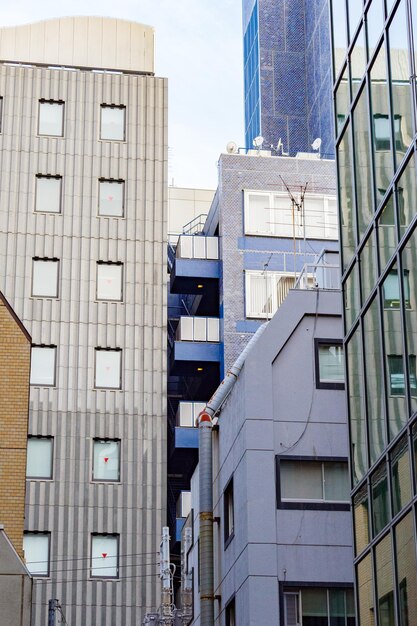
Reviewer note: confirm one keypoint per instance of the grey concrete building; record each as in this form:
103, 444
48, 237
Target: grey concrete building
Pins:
83, 150
15, 585
282, 531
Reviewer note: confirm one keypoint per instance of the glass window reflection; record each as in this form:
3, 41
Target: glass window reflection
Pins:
346, 204
384, 581
363, 167
400, 475
380, 502
381, 121
356, 407
361, 516
374, 25
352, 297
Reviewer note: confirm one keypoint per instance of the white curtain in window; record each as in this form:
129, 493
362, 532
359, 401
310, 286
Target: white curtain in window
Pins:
112, 123
45, 279
111, 198
42, 366
301, 480
36, 549
281, 218
109, 281
39, 457
106, 457
331, 363
336, 481
104, 556
51, 117
108, 367
48, 194
257, 213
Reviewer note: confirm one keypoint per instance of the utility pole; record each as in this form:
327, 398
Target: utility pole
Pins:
165, 576
187, 581
53, 605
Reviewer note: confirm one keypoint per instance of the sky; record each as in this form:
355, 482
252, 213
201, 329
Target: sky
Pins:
199, 49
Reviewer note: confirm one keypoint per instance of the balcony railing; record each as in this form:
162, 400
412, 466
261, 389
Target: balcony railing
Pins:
319, 276
198, 329
188, 412
197, 247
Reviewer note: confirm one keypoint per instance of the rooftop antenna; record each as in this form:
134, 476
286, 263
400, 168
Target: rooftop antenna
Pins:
316, 145
299, 206
280, 147
258, 142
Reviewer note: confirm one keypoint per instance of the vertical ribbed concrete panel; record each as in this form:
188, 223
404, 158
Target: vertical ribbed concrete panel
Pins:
71, 506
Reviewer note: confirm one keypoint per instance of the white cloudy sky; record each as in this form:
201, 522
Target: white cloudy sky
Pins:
199, 49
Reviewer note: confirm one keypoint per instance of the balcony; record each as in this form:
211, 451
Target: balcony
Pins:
198, 329
183, 510
195, 267
186, 433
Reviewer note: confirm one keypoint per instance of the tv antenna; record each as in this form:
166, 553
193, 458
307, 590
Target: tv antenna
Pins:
280, 148
299, 206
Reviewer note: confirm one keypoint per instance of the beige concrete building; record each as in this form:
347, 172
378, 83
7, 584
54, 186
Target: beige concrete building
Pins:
185, 207
83, 209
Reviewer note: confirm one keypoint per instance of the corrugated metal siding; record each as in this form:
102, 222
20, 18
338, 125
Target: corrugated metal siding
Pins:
71, 507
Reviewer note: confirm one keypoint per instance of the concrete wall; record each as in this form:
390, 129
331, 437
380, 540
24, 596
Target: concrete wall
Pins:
71, 506
15, 586
14, 405
183, 206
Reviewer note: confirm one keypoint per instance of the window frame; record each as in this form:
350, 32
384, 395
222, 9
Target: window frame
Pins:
297, 587
48, 177
228, 512
51, 439
309, 505
44, 533
38, 259
412, 375
101, 577
230, 611
51, 101
117, 480
272, 280
37, 384
324, 384
117, 181
102, 349
105, 105
119, 264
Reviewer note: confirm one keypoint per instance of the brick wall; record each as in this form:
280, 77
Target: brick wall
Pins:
14, 397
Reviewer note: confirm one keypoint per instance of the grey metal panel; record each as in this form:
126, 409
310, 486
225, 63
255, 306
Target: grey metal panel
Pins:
71, 506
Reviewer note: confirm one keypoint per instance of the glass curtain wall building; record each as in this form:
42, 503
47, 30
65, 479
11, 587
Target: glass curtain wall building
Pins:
374, 60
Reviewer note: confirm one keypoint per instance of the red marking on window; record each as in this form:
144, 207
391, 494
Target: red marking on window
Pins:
104, 554
110, 198
106, 458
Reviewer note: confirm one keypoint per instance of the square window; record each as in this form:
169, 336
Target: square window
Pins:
229, 513
51, 118
45, 278
108, 368
391, 288
111, 198
112, 123
330, 369
39, 457
109, 281
106, 460
396, 374
48, 194
42, 366
36, 546
104, 556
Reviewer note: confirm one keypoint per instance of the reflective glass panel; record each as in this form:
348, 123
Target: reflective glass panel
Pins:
331, 365
352, 296
375, 381
406, 196
387, 233
339, 25
355, 8
357, 62
346, 202
51, 119
380, 502
363, 166
356, 407
112, 126
381, 121
400, 80
400, 475
384, 581
342, 100
301, 480
405, 547
361, 516
48, 194
365, 593
367, 263
374, 25
336, 481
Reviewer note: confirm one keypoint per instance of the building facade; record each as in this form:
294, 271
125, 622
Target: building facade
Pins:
287, 75
374, 89
83, 145
231, 277
282, 531
15, 345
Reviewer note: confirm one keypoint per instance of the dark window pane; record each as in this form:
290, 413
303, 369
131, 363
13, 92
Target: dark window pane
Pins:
356, 407
380, 502
314, 607
400, 475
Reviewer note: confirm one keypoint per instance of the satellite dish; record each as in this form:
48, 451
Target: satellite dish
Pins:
231, 147
316, 144
258, 141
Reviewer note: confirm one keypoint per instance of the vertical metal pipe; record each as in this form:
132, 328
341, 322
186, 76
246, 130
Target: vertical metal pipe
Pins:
206, 521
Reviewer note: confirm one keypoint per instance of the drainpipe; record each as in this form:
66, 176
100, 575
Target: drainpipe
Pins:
205, 424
